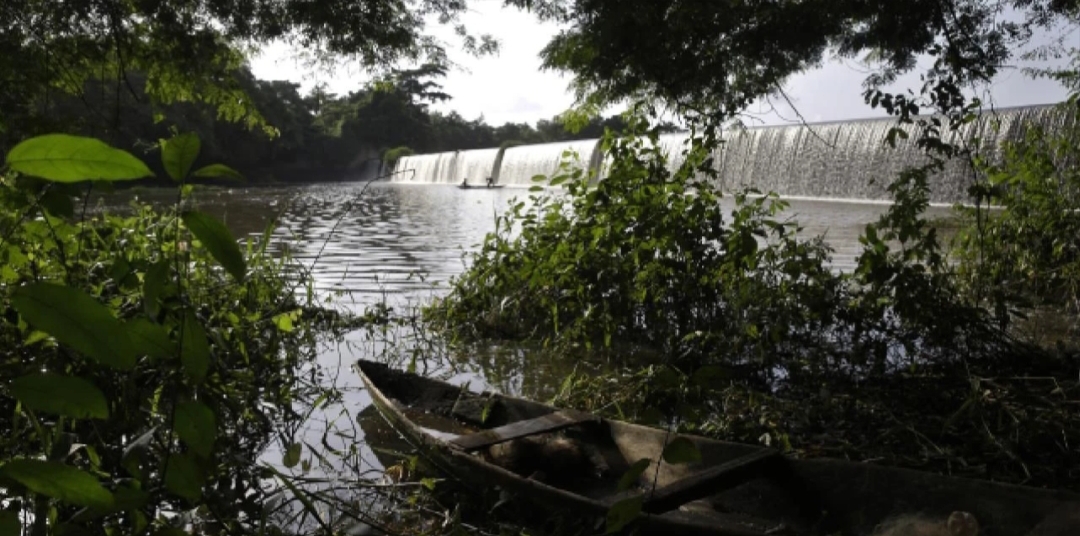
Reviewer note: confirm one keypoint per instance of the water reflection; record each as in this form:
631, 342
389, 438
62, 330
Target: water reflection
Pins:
401, 244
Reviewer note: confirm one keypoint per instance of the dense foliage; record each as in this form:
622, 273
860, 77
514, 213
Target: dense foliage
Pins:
754, 337
147, 361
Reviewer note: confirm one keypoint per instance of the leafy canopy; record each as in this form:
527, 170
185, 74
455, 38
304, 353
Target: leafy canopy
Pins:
718, 56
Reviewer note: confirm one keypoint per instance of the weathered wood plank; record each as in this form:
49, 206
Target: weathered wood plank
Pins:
709, 481
545, 423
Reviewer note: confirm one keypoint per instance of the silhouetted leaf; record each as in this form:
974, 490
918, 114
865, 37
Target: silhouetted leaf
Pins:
292, 455
196, 425
61, 395
179, 153
681, 450
59, 481
64, 158
9, 524
217, 239
633, 473
58, 203
150, 338
218, 171
184, 477
77, 320
194, 349
622, 513
157, 276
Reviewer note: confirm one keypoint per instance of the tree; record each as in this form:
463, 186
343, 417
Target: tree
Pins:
187, 50
716, 57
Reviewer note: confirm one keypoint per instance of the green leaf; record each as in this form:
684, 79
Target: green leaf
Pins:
154, 286
59, 481
196, 425
217, 239
709, 376
428, 483
218, 171
633, 473
77, 320
292, 455
61, 395
681, 450
58, 203
151, 339
179, 153
284, 321
9, 524
622, 513
64, 158
194, 349
183, 477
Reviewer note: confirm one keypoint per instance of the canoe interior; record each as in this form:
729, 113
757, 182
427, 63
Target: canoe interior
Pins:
812, 497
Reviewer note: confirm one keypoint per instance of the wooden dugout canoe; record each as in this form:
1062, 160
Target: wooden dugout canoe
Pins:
735, 490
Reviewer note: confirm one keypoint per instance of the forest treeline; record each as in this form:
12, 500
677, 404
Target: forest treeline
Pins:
303, 137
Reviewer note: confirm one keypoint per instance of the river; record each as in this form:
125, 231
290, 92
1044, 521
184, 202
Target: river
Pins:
400, 244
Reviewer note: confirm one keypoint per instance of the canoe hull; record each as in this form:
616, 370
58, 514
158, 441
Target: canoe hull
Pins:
820, 496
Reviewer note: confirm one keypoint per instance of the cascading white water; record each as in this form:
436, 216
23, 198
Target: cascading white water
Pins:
840, 160
426, 168
520, 164
476, 165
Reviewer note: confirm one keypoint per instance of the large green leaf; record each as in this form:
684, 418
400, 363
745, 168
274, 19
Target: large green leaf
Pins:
218, 171
64, 158
179, 153
154, 283
196, 425
681, 450
62, 395
77, 320
632, 474
9, 524
184, 477
194, 349
217, 239
149, 338
623, 513
59, 481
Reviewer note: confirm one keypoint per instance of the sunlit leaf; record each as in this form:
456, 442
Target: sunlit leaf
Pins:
681, 450
179, 153
428, 483
633, 473
77, 320
59, 481
218, 171
194, 349
284, 321
622, 513
61, 395
184, 477
196, 425
150, 338
64, 158
292, 455
217, 239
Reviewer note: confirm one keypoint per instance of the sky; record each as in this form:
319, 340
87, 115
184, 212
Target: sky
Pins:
511, 87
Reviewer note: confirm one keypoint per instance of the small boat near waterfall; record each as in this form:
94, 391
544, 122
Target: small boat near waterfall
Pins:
467, 186
734, 490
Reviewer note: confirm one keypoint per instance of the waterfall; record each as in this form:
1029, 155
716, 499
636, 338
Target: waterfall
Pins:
476, 166
841, 160
851, 160
426, 168
520, 164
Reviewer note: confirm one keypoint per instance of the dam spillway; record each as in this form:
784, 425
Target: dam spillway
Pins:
837, 160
